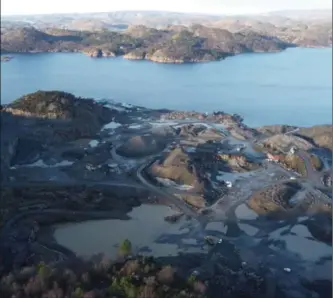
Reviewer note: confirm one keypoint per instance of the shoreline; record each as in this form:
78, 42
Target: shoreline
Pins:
175, 62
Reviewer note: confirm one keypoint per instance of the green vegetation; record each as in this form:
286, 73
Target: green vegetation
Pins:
191, 279
124, 286
125, 247
142, 277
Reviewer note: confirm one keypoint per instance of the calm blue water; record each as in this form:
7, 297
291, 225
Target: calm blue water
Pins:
291, 87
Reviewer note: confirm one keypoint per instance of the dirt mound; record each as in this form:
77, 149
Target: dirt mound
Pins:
177, 167
275, 129
283, 143
140, 146
273, 200
320, 135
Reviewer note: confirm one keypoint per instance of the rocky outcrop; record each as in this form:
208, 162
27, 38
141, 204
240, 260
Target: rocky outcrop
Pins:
98, 53
42, 119
60, 105
136, 55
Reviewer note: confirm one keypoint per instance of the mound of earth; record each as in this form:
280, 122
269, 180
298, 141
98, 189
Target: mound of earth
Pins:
196, 201
320, 135
140, 146
273, 200
190, 130
176, 166
283, 143
199, 130
60, 105
270, 130
210, 134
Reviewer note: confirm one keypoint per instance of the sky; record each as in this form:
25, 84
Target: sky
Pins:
26, 7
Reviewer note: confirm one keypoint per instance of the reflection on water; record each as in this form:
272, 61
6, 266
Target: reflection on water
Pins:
147, 231
232, 177
300, 241
244, 212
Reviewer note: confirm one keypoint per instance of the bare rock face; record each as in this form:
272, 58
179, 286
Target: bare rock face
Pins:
135, 55
99, 53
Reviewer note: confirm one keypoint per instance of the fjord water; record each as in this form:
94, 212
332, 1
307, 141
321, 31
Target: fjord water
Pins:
291, 87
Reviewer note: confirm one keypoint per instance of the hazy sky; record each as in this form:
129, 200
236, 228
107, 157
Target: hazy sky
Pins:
9, 7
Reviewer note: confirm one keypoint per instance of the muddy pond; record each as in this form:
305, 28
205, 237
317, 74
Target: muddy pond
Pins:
147, 230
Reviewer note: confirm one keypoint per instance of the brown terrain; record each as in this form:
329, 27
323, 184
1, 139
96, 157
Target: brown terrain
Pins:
60, 125
140, 146
275, 202
176, 167
195, 44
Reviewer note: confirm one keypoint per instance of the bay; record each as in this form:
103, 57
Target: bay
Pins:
291, 87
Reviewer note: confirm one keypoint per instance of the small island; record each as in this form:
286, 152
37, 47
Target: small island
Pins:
193, 44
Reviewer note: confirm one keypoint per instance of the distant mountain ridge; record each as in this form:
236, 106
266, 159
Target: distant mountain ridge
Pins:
159, 19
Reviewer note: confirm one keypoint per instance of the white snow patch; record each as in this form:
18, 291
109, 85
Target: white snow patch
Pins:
114, 107
93, 143
135, 126
162, 123
111, 125
41, 164
113, 165
127, 105
190, 149
170, 183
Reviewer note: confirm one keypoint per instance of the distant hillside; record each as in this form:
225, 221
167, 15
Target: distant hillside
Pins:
158, 19
195, 44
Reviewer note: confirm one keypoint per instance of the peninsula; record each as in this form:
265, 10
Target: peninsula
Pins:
232, 190
165, 37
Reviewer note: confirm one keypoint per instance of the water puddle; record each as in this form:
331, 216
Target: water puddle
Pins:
244, 212
232, 177
248, 149
147, 230
299, 241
